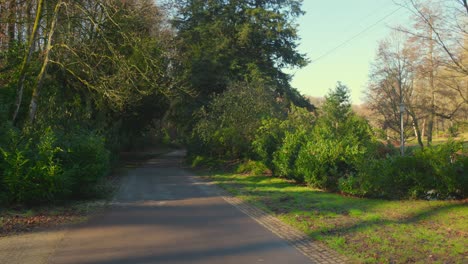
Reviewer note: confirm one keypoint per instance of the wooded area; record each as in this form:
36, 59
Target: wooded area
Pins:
423, 67
81, 80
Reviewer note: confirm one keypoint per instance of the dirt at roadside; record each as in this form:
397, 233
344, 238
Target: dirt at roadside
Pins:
31, 236
16, 223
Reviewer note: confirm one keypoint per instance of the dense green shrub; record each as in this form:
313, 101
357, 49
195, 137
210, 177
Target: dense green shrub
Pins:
447, 175
38, 166
227, 127
322, 162
85, 162
268, 139
277, 142
285, 157
435, 172
31, 172
339, 142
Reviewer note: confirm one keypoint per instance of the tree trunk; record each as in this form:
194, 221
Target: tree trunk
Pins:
43, 71
29, 23
417, 131
423, 130
3, 28
432, 110
25, 64
430, 128
11, 22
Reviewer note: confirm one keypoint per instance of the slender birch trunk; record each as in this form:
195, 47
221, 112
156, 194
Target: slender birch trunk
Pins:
43, 71
26, 60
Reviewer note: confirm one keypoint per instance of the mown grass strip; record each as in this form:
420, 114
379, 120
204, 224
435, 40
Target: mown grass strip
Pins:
365, 230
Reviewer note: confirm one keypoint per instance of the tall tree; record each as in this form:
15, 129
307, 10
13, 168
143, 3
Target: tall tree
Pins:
449, 28
390, 90
439, 41
222, 41
26, 60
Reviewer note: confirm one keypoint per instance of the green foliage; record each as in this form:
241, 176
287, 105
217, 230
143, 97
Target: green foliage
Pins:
38, 166
339, 142
204, 161
454, 130
225, 41
268, 139
252, 167
435, 172
285, 157
323, 162
270, 136
85, 162
31, 172
278, 141
228, 125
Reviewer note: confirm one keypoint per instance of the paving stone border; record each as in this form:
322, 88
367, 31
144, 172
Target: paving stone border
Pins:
314, 250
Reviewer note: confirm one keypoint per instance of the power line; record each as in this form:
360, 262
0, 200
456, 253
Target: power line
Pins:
355, 36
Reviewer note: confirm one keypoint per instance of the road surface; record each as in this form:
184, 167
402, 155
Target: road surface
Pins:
164, 214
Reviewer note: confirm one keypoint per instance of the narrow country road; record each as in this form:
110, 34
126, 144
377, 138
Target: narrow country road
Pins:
164, 214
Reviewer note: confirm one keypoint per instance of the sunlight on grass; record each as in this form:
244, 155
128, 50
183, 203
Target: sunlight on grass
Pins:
366, 230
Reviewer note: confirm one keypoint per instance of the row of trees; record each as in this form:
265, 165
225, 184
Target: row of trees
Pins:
422, 71
86, 61
118, 58
78, 81
81, 79
417, 69
332, 148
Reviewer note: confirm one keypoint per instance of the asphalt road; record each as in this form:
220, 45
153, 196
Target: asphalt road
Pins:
163, 214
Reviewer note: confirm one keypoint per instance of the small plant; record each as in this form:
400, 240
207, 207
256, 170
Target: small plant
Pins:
252, 167
454, 130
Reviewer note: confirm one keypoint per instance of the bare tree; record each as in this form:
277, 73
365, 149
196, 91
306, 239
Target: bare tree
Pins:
449, 28
440, 63
390, 92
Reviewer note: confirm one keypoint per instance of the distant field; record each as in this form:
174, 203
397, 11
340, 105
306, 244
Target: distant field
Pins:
365, 230
440, 139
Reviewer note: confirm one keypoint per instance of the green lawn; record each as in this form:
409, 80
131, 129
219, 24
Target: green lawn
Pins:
366, 230
463, 136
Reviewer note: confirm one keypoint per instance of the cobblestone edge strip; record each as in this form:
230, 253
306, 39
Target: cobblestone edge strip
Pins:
315, 251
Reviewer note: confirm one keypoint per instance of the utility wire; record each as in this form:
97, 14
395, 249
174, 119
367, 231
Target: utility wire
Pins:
355, 36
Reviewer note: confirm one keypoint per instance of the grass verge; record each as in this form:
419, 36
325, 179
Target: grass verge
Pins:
365, 230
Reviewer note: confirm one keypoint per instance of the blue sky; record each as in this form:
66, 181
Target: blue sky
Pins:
326, 25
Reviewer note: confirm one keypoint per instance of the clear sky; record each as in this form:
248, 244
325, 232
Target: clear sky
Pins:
328, 24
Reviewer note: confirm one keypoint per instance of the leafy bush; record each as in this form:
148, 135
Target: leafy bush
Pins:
284, 159
227, 127
37, 166
85, 162
435, 172
203, 161
454, 130
268, 139
339, 142
277, 142
31, 172
252, 167
322, 162
447, 164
